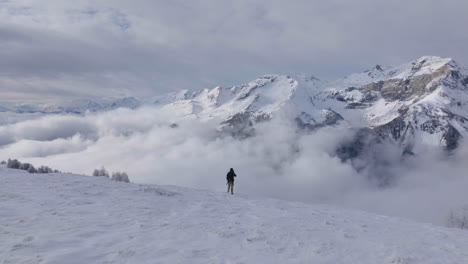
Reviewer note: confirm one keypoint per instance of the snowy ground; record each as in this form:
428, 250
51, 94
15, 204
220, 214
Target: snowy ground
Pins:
60, 218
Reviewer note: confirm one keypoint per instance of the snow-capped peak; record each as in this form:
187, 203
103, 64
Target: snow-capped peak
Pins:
423, 66
375, 74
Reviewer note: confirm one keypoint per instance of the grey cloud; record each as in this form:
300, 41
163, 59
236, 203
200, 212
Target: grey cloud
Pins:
47, 129
151, 47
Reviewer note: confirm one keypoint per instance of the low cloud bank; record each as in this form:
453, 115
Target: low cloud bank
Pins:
276, 162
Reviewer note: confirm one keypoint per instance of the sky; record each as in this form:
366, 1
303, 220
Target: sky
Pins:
54, 49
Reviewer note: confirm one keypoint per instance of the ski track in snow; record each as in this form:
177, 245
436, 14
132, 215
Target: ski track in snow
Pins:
64, 218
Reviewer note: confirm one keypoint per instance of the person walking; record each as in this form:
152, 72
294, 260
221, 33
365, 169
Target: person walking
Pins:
230, 180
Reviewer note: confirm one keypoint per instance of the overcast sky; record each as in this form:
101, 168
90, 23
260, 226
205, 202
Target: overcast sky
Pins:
54, 49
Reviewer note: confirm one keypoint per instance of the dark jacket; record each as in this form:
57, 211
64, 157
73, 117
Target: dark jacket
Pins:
230, 176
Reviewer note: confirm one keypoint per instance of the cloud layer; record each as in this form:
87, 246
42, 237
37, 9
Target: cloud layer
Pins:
277, 162
56, 49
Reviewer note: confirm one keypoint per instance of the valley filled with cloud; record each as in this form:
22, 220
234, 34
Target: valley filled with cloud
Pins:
153, 145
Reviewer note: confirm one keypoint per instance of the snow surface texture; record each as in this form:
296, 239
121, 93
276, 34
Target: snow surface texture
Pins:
65, 218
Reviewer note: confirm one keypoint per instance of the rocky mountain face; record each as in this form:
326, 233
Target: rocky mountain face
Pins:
421, 103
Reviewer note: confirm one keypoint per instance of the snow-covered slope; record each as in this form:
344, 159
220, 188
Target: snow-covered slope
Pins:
64, 218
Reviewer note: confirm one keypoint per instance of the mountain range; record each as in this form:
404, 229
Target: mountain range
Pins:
417, 104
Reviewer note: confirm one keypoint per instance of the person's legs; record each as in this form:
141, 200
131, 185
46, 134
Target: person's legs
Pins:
232, 187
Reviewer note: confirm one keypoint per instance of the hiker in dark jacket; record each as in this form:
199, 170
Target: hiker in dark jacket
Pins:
230, 180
